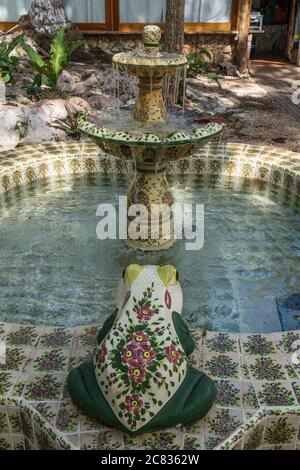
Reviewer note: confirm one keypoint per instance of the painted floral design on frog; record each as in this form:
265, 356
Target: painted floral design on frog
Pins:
139, 353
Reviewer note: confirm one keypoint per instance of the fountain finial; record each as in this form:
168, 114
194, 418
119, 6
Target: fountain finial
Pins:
151, 39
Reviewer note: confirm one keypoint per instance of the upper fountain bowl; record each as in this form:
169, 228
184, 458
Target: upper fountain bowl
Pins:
150, 62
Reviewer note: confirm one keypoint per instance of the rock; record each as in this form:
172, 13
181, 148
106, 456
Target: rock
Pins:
77, 105
68, 82
42, 135
11, 117
253, 91
100, 101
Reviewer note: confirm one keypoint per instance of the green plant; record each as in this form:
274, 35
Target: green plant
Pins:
49, 71
68, 125
8, 64
196, 62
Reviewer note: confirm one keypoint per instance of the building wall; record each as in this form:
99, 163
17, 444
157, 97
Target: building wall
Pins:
221, 46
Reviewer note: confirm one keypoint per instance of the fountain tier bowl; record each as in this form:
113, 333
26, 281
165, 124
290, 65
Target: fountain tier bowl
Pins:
117, 133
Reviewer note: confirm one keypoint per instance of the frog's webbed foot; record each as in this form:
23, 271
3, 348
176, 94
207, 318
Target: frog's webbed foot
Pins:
86, 394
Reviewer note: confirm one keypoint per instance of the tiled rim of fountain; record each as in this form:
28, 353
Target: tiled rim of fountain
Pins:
246, 391
273, 166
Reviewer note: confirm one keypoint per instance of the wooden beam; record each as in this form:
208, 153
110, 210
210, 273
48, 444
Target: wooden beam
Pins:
243, 35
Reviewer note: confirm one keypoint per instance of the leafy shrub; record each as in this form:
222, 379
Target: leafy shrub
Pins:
49, 71
8, 64
197, 63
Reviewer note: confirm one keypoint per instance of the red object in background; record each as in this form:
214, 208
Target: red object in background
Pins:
204, 119
282, 15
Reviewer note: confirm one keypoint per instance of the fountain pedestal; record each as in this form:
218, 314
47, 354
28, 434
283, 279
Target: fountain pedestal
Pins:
150, 195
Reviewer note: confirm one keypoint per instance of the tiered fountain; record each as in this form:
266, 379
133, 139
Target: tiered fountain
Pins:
149, 135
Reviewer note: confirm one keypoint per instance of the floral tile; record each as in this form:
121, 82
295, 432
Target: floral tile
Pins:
14, 419
87, 423
211, 442
275, 394
287, 341
22, 336
266, 368
44, 387
7, 379
15, 358
223, 422
162, 441
50, 360
249, 398
296, 388
281, 431
27, 425
221, 343
193, 442
44, 440
67, 418
254, 438
4, 423
111, 440
223, 366
48, 410
229, 393
5, 442
87, 336
56, 338
18, 442
132, 443
258, 345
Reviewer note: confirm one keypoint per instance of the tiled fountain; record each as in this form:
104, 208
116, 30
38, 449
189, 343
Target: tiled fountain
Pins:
258, 401
148, 135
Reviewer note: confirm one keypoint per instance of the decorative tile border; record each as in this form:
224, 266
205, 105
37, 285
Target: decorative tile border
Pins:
271, 166
246, 405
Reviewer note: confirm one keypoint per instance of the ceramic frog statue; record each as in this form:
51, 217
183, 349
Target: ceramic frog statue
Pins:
140, 380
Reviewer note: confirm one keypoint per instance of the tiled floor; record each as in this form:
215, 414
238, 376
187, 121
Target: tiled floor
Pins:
251, 372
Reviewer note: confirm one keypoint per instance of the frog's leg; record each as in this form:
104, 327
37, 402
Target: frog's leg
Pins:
183, 334
86, 394
106, 327
190, 403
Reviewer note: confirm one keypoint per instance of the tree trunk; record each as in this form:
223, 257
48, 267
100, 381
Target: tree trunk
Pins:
242, 46
48, 16
174, 35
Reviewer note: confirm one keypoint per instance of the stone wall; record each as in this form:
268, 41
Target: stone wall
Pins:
274, 38
221, 46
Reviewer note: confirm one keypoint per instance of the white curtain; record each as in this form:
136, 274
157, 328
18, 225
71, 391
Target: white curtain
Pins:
11, 10
85, 11
207, 11
142, 11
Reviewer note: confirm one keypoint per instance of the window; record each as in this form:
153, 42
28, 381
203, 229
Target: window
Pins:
131, 15
208, 11
11, 10
142, 11
85, 11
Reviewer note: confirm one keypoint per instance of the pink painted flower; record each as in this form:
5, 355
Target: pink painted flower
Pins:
101, 355
133, 404
137, 373
139, 339
145, 313
147, 355
173, 354
129, 354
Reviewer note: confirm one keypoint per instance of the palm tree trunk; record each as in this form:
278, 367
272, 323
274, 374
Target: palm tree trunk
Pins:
174, 37
48, 16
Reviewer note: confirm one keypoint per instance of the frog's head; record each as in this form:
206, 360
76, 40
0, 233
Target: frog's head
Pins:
156, 282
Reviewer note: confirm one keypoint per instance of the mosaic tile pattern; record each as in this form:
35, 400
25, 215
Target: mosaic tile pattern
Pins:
258, 401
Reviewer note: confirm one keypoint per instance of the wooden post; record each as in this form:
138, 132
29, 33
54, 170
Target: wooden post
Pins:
289, 48
243, 35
